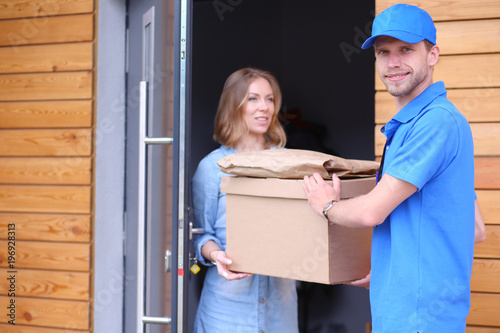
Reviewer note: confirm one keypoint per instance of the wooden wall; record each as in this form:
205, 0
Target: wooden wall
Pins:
468, 33
46, 158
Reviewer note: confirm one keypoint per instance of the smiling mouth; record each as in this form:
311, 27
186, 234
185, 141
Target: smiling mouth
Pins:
261, 118
396, 76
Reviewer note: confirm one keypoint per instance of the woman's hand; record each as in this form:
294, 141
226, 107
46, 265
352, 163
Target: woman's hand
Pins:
221, 260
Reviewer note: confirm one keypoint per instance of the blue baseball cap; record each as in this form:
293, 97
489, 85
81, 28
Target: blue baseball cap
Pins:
404, 22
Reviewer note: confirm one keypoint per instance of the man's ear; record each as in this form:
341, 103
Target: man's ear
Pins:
433, 55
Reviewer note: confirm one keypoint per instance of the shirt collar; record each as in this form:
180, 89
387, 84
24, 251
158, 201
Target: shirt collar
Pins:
227, 150
412, 109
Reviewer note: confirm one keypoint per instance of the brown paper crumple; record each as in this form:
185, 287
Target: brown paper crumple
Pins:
294, 164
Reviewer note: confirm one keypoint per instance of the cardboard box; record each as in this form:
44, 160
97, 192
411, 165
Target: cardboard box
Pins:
272, 230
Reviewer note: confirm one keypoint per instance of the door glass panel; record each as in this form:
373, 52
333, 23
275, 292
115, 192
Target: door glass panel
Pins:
148, 47
151, 59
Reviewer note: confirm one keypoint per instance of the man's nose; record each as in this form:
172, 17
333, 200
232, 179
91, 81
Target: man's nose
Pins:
394, 60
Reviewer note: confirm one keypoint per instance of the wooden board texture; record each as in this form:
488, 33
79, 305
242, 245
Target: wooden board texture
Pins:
444, 10
46, 114
47, 99
11, 9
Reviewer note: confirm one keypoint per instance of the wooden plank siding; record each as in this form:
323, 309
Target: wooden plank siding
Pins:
490, 248
450, 10
484, 311
485, 275
46, 86
46, 114
476, 329
46, 142
487, 173
48, 255
7, 328
46, 30
49, 312
476, 36
464, 71
11, 9
490, 208
46, 58
468, 34
47, 94
486, 139
478, 105
45, 199
49, 284
48, 227
45, 170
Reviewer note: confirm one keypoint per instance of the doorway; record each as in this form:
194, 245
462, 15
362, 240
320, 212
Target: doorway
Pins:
313, 48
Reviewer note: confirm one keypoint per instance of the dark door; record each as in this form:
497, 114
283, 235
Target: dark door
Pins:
155, 166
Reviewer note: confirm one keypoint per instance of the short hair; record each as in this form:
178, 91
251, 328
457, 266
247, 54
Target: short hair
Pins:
229, 123
428, 45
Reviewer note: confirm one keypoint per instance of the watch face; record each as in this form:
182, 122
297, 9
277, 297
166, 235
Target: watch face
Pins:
327, 208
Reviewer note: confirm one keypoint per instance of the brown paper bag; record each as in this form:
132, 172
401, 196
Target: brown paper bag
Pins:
294, 164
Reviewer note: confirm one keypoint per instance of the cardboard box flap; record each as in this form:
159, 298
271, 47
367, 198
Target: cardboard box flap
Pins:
287, 188
294, 164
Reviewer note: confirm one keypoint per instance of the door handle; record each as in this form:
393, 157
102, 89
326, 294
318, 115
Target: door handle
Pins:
194, 230
168, 261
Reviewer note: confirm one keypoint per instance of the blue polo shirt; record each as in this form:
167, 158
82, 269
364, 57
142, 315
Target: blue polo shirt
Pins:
422, 254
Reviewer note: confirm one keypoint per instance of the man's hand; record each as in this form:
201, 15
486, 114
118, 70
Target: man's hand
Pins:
480, 232
319, 192
364, 282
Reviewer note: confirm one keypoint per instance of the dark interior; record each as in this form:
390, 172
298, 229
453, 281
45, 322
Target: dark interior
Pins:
313, 48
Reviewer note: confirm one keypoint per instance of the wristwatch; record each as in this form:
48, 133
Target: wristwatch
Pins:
327, 207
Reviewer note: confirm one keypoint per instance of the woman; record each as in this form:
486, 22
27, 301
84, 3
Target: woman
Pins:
246, 120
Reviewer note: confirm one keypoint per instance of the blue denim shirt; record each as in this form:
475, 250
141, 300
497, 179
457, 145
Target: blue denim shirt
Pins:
254, 304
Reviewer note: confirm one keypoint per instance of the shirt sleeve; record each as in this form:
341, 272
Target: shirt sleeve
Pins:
205, 189
429, 147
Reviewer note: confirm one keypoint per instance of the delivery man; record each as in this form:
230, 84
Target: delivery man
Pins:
424, 208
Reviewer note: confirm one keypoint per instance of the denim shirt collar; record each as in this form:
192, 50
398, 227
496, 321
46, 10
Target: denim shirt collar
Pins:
227, 150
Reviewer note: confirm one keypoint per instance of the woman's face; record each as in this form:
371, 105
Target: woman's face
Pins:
259, 109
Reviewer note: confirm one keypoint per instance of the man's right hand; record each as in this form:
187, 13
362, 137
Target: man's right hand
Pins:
364, 282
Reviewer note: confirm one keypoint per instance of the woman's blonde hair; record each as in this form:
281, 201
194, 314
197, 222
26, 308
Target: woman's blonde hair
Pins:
229, 124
